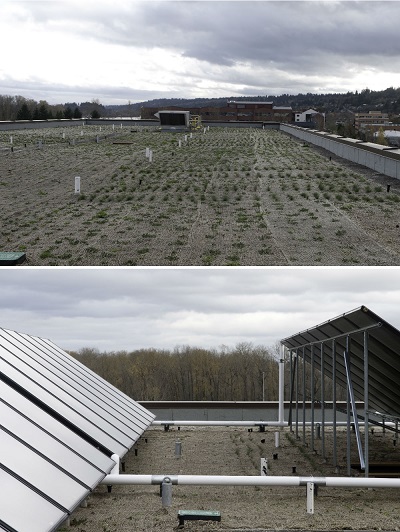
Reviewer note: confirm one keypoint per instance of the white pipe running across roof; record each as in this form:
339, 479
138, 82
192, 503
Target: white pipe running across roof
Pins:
197, 423
232, 480
221, 423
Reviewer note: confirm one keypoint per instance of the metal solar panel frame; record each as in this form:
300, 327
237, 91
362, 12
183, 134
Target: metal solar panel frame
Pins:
60, 423
360, 352
383, 344
67, 387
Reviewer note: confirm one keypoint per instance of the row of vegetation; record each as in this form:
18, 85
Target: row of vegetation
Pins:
243, 373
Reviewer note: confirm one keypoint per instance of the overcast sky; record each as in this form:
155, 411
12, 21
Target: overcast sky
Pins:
116, 51
126, 309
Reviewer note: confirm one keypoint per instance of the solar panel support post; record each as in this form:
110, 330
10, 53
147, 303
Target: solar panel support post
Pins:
312, 397
281, 415
366, 406
297, 394
348, 435
322, 402
353, 409
334, 443
293, 366
304, 397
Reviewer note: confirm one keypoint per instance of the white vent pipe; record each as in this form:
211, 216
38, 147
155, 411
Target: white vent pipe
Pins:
233, 480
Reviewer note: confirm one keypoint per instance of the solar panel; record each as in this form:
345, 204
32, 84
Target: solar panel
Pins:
37, 515
59, 425
383, 355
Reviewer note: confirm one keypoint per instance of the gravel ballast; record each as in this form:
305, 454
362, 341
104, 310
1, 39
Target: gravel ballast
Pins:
232, 451
229, 197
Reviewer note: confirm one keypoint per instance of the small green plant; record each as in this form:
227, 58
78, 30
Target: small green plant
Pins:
45, 254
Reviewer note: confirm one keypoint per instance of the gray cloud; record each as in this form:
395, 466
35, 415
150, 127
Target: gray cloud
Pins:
288, 46
133, 308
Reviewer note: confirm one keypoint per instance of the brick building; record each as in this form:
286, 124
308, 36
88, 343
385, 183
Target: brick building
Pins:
233, 111
375, 119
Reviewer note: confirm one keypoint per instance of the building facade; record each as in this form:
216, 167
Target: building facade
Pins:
233, 111
374, 119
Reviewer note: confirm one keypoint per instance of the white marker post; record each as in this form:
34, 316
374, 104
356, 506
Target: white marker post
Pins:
77, 185
310, 498
11, 139
150, 156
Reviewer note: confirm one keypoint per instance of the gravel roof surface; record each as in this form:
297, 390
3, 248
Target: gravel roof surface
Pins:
230, 197
235, 451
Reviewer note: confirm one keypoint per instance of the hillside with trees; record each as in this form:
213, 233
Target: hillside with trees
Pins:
388, 101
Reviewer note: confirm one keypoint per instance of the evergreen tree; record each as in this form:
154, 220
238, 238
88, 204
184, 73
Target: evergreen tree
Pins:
68, 113
43, 112
95, 114
77, 113
24, 113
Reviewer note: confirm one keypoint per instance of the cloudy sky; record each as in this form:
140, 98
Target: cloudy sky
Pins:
126, 309
75, 50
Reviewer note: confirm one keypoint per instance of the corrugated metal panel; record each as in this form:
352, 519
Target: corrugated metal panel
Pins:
383, 355
59, 425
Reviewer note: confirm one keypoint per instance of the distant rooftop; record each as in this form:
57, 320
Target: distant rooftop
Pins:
246, 101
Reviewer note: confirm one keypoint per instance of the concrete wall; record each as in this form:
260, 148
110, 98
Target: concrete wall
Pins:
379, 158
232, 411
39, 124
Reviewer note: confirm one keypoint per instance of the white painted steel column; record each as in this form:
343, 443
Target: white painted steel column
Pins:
281, 412
115, 469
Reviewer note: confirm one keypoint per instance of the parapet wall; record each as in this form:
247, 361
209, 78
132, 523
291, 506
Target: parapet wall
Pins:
382, 159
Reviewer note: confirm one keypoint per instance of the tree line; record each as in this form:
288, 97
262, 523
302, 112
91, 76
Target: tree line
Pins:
21, 108
243, 373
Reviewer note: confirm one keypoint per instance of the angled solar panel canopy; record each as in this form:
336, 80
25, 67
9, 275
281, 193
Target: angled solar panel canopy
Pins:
363, 334
60, 423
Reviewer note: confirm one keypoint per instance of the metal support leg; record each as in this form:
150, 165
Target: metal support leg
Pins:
310, 498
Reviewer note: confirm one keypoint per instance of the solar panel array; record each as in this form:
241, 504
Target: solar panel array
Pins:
383, 355
60, 424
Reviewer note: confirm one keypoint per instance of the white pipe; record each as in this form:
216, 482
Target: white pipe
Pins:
196, 423
201, 480
221, 423
234, 480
